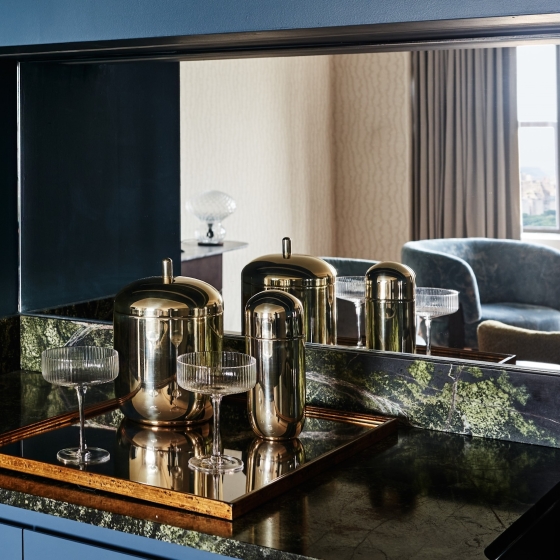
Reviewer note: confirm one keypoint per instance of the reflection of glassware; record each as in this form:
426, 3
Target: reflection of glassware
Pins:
79, 367
353, 288
211, 208
434, 302
216, 374
268, 460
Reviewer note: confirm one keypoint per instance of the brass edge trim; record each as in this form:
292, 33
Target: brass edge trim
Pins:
134, 508
184, 501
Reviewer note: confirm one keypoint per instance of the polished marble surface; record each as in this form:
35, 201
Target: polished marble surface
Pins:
423, 495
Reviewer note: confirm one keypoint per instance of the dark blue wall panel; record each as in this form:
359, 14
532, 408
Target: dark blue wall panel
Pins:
34, 22
100, 178
8, 190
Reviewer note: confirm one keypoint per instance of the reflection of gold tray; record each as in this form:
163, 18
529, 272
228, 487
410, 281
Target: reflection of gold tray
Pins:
332, 436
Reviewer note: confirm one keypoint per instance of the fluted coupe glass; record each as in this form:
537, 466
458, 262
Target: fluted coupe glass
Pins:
434, 302
353, 288
80, 367
216, 374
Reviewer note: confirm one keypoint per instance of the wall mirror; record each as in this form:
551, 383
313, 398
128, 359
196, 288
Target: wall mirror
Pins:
320, 148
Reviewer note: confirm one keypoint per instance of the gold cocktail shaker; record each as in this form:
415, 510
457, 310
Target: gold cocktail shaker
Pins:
274, 336
390, 313
310, 279
157, 319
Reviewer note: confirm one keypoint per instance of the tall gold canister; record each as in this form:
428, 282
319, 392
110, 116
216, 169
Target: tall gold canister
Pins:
274, 337
157, 319
390, 307
310, 279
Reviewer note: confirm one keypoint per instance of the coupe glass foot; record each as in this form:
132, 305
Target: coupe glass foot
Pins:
93, 456
224, 464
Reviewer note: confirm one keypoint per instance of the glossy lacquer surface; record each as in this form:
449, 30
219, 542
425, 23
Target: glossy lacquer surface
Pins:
100, 178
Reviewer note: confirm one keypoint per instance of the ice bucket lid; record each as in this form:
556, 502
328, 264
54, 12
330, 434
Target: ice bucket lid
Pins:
390, 281
287, 270
168, 296
274, 315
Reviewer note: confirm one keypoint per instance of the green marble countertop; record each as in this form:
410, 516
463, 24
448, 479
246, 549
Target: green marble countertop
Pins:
418, 494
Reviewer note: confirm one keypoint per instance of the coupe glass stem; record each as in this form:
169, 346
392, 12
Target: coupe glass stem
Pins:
217, 440
81, 391
428, 323
359, 318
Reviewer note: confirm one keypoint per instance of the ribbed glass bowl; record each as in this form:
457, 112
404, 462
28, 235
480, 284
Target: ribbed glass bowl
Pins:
79, 365
216, 373
436, 302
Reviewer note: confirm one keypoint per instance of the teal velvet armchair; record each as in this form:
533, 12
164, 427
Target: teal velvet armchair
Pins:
510, 281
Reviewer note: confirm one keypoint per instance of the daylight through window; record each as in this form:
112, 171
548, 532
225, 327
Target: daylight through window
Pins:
537, 111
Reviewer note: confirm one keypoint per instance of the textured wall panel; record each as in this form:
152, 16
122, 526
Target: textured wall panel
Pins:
372, 143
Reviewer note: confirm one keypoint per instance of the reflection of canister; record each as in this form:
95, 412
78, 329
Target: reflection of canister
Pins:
160, 456
155, 320
390, 317
310, 279
274, 336
268, 460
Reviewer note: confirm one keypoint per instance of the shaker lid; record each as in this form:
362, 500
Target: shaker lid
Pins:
390, 281
274, 315
168, 296
287, 270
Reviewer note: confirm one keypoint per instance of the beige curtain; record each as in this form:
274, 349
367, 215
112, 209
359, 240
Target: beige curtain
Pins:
465, 147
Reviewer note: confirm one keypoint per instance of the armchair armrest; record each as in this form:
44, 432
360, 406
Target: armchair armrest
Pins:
439, 270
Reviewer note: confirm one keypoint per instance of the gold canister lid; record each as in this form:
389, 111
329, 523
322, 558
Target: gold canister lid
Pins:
168, 296
390, 281
287, 270
274, 315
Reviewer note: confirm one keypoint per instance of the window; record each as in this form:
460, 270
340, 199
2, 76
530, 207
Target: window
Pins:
537, 112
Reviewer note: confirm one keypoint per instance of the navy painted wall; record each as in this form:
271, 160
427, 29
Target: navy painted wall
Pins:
8, 190
35, 22
100, 178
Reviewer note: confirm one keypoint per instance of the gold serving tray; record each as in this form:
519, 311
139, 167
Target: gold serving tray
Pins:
150, 464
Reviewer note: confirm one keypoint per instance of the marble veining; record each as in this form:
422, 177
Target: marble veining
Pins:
478, 400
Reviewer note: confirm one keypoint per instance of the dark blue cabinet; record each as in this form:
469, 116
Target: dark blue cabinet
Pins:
29, 535
11, 542
38, 546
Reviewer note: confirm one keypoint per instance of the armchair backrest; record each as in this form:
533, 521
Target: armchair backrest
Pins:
436, 268
506, 270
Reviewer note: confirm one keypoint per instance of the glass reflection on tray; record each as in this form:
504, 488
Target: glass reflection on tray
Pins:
159, 456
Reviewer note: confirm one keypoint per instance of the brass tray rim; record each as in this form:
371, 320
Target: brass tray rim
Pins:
381, 426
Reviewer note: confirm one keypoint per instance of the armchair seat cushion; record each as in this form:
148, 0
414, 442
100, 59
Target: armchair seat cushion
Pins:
522, 315
534, 317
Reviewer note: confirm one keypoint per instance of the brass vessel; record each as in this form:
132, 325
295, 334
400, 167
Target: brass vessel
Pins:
274, 336
310, 279
157, 319
390, 307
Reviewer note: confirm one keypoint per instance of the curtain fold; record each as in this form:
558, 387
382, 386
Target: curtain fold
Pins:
465, 145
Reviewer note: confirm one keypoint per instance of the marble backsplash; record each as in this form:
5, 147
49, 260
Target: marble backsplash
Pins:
471, 398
